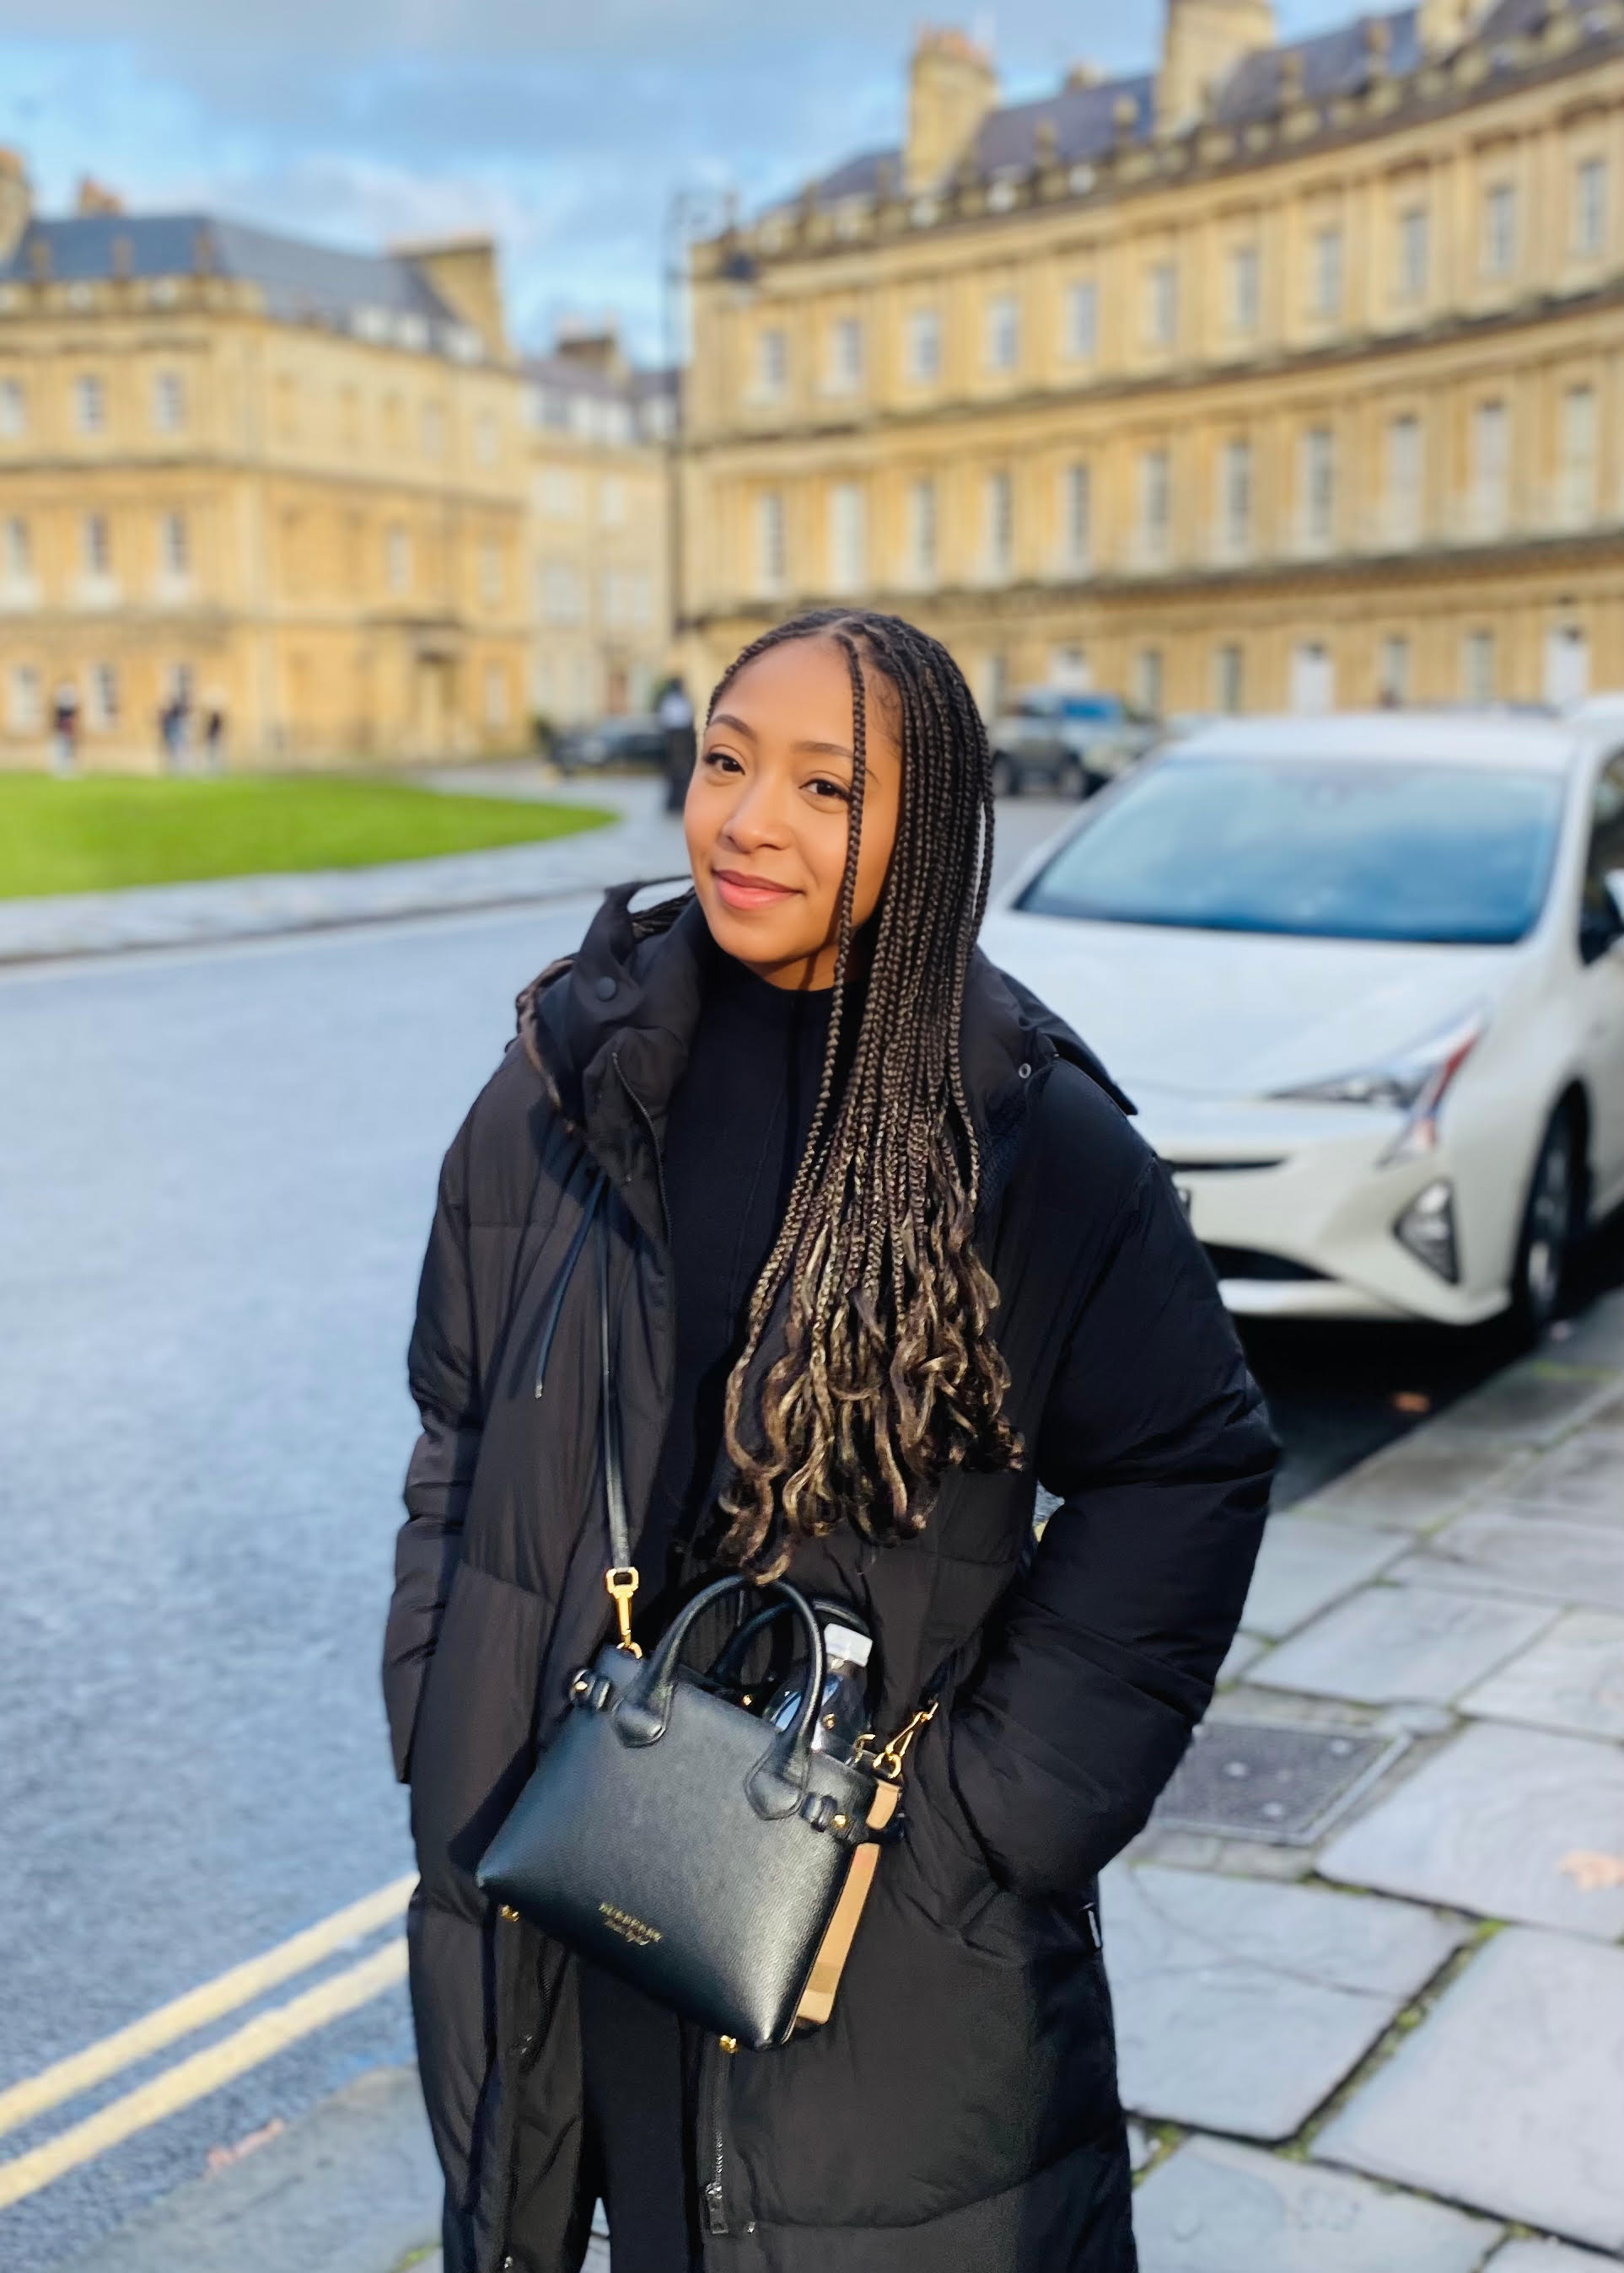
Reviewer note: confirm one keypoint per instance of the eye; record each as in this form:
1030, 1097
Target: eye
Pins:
723, 760
830, 791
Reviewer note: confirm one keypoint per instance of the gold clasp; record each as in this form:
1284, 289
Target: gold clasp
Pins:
623, 1585
888, 1764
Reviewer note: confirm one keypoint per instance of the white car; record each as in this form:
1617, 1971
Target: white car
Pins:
1363, 977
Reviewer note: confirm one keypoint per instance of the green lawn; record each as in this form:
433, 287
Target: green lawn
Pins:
97, 834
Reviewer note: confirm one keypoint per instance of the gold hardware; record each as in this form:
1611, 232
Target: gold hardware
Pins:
889, 1762
728, 2043
509, 1915
623, 1585
838, 1821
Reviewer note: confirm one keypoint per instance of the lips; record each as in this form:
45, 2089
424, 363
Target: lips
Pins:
745, 892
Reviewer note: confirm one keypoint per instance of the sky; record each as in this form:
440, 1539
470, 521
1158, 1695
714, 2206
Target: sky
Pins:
564, 128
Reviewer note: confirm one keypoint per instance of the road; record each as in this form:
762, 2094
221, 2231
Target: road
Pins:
217, 1171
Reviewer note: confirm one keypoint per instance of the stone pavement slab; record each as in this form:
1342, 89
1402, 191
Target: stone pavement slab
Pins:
1506, 2098
1508, 1551
1243, 1652
351, 2187
1392, 1645
1495, 1823
1241, 2004
1583, 1478
1306, 1561
1532, 1402
1571, 1679
1216, 2208
1546, 2257
1418, 1482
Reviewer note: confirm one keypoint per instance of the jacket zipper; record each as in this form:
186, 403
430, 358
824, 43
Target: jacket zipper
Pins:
716, 2208
648, 1121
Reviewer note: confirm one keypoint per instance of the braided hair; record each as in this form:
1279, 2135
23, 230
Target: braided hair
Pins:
888, 1374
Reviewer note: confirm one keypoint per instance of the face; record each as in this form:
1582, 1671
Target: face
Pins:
769, 809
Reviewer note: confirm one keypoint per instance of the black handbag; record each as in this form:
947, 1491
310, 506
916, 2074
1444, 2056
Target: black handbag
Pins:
715, 1861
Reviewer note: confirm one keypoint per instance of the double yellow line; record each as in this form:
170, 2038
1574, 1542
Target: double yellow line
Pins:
217, 2064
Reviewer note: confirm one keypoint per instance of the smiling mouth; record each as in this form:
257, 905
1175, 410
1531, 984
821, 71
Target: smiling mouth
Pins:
741, 891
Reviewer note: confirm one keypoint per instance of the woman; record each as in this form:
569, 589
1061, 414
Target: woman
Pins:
887, 1255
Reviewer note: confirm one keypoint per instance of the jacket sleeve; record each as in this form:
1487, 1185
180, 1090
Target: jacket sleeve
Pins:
1104, 1652
442, 1368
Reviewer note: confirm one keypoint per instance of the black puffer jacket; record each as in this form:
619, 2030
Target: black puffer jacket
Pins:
958, 2114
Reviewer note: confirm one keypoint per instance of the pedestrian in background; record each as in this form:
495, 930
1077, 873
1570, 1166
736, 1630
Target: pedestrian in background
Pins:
64, 731
676, 716
215, 738
884, 1254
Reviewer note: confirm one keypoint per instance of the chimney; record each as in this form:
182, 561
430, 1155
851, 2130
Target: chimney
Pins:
94, 197
1444, 23
1201, 42
16, 202
953, 85
462, 271
591, 346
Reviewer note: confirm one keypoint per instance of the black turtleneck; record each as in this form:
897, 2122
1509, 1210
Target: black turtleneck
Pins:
735, 1130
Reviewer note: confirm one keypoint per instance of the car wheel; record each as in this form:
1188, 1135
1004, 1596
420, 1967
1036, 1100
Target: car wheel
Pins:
1549, 1225
1072, 780
1005, 781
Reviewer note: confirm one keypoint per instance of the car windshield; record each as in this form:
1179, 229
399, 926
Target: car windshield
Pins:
1455, 854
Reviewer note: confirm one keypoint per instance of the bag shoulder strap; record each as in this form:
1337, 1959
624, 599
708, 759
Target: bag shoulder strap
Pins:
621, 1578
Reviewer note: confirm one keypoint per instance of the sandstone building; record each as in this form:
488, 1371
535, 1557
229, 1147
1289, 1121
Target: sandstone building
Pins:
1277, 375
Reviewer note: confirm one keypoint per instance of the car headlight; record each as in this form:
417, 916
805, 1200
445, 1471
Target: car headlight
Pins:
1414, 1083
1427, 1230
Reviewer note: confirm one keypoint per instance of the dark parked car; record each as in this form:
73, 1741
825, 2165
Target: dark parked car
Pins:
611, 745
1069, 744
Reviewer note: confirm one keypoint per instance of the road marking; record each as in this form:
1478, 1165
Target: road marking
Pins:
256, 2041
66, 2079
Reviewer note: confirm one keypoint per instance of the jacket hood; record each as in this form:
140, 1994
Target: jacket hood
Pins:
609, 1031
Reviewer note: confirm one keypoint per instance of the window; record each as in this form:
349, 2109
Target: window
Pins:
1393, 670
1413, 253
1327, 274
560, 493
495, 695
22, 697
397, 559
1404, 482
846, 356
1313, 678
563, 600
89, 403
770, 553
13, 409
995, 682
998, 507
1567, 665
487, 438
1003, 332
174, 549
1068, 668
924, 347
1155, 503
1148, 681
1228, 678
1243, 291
95, 545
1477, 666
771, 362
847, 537
168, 402
1161, 304
1499, 229
612, 502
434, 430
16, 551
1235, 498
1577, 501
922, 529
1490, 440
1082, 321
1075, 517
1590, 207
490, 579
103, 694
1319, 485
1600, 920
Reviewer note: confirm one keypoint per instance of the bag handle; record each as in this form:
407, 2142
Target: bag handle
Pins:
621, 1577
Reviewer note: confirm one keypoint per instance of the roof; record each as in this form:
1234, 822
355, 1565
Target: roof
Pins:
300, 281
1329, 64
1525, 741
572, 375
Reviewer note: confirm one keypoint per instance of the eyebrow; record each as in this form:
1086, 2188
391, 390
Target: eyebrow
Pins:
811, 750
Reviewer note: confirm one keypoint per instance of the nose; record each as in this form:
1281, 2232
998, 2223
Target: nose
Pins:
756, 821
